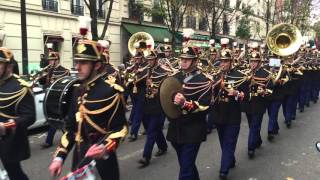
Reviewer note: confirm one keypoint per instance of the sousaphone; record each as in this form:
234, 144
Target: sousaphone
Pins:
144, 40
284, 39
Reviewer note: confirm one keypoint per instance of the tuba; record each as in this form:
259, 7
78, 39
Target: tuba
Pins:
145, 41
283, 40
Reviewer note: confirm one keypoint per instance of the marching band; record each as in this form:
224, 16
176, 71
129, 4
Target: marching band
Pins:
197, 91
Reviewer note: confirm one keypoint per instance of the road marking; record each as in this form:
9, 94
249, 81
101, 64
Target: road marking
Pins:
131, 155
41, 135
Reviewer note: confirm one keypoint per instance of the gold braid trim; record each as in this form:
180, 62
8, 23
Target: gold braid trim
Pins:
82, 116
114, 112
19, 96
3, 93
101, 100
94, 125
119, 134
8, 116
99, 111
20, 99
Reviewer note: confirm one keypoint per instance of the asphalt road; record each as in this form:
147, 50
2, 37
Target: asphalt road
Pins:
292, 156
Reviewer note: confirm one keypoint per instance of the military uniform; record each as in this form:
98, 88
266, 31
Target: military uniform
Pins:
52, 74
17, 105
187, 132
260, 86
227, 111
96, 116
214, 63
153, 116
136, 90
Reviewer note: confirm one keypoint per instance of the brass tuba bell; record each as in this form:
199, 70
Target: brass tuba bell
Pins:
144, 40
284, 39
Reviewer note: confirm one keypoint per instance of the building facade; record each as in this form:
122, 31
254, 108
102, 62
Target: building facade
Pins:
54, 21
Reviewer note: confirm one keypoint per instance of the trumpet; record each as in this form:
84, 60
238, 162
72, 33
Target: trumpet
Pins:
42, 73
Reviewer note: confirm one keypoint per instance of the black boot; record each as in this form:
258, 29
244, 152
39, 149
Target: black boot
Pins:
161, 152
251, 154
223, 176
288, 124
270, 137
132, 138
144, 162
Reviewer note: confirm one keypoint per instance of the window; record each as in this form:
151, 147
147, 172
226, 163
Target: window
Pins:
77, 7
135, 10
100, 9
238, 4
225, 26
50, 5
191, 22
227, 3
203, 24
156, 16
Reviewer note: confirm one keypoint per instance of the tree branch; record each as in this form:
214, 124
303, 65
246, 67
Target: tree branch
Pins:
87, 4
106, 23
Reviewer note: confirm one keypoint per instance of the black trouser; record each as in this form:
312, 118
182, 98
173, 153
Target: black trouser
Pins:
108, 169
14, 170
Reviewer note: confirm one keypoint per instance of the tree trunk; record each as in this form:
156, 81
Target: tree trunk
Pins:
94, 22
106, 23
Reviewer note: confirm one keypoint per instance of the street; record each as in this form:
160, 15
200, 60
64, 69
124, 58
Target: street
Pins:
291, 156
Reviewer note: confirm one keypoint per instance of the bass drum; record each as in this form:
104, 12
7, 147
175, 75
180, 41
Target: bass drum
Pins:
57, 100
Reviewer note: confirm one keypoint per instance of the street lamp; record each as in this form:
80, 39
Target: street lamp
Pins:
2, 36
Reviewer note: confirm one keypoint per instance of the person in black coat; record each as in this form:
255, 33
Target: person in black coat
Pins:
153, 115
17, 113
54, 72
96, 121
229, 93
187, 132
260, 87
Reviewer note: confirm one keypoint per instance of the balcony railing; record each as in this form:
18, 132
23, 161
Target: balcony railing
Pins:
50, 5
77, 9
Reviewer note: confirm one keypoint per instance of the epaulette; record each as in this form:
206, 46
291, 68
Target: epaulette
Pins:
112, 82
22, 82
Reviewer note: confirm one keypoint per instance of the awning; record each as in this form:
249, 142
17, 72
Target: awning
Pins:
158, 33
53, 38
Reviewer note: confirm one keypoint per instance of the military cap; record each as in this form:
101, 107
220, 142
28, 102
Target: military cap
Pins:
86, 50
188, 53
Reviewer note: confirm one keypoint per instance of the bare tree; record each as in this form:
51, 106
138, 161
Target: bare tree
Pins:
95, 7
174, 11
214, 10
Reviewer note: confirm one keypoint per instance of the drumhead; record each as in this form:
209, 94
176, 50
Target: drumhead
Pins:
57, 100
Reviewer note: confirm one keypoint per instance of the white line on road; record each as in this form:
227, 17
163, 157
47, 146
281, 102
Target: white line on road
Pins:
131, 155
